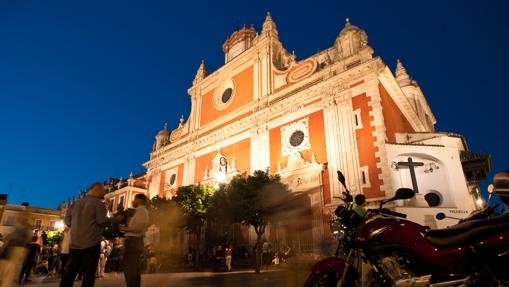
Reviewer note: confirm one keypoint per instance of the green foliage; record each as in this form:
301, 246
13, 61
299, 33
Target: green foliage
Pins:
255, 199
55, 237
221, 207
195, 201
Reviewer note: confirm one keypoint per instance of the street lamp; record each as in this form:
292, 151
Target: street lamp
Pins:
220, 176
59, 225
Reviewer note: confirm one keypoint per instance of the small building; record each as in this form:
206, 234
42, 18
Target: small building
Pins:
42, 219
120, 193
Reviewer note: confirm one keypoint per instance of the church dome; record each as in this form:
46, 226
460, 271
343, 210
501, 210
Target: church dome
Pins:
162, 138
163, 133
349, 27
351, 40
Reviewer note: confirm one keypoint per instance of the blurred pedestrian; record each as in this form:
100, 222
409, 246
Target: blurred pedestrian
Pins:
15, 251
103, 257
33, 250
86, 218
54, 260
152, 262
39, 238
44, 237
134, 247
190, 258
64, 248
228, 257
266, 246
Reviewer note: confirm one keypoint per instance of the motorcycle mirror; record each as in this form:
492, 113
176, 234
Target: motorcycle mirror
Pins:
404, 193
341, 178
440, 216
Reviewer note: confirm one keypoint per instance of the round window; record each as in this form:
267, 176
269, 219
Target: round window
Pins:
227, 95
296, 138
432, 199
173, 178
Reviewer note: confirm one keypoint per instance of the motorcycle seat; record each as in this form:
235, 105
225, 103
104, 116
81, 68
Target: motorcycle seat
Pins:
467, 232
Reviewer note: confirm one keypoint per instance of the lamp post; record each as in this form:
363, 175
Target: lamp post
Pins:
221, 179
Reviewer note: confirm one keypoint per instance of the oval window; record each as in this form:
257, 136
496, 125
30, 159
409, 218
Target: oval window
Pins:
227, 95
173, 178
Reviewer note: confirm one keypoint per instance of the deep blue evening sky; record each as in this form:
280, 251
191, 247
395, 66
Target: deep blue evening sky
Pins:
85, 85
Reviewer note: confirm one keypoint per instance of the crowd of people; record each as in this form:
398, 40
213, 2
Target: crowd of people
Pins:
83, 254
224, 257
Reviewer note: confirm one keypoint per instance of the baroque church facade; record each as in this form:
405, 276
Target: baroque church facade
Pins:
339, 109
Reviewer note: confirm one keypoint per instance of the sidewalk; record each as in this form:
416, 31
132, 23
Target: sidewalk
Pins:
272, 277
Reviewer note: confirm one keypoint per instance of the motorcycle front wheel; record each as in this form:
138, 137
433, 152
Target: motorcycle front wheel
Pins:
321, 280
330, 279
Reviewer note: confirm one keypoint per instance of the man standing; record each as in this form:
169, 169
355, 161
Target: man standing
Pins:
134, 233
85, 217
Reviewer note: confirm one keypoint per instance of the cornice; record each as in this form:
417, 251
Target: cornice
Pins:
399, 97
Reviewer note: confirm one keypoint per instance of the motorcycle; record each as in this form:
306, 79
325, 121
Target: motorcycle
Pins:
403, 253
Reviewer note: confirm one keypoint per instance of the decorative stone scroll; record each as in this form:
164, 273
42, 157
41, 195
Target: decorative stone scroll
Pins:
301, 71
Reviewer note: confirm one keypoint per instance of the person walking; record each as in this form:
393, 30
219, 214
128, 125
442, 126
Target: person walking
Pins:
103, 257
85, 218
228, 257
133, 244
15, 251
30, 260
64, 250
54, 260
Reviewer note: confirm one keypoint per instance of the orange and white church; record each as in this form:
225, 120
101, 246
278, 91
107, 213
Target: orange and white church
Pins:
340, 109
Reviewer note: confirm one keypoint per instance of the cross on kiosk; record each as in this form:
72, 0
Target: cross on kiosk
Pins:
411, 166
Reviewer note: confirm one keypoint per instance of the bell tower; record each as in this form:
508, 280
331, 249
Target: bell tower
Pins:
238, 42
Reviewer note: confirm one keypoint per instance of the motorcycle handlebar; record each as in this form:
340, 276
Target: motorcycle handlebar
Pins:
393, 213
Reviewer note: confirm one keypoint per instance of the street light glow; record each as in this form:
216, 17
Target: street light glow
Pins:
220, 177
59, 225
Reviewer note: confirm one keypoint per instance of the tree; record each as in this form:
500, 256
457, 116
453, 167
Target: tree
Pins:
55, 237
195, 201
255, 199
220, 217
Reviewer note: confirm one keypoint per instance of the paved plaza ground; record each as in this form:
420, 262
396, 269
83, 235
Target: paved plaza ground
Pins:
245, 278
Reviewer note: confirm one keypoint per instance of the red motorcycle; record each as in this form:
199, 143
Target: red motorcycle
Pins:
404, 253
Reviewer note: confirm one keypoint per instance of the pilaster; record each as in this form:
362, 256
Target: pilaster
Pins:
189, 169
260, 147
341, 144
